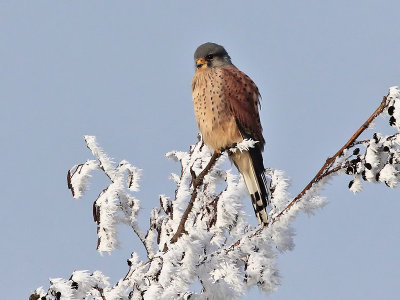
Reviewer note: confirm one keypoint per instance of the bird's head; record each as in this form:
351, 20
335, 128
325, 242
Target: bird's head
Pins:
211, 55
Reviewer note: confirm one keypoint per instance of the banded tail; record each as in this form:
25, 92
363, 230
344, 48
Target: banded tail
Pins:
250, 165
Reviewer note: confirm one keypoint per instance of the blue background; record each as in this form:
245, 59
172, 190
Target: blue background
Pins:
121, 70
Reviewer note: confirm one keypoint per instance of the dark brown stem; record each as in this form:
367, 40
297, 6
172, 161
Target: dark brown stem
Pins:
198, 181
324, 171
101, 293
389, 138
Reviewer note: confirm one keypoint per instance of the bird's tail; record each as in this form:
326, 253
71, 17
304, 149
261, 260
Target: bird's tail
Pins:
250, 165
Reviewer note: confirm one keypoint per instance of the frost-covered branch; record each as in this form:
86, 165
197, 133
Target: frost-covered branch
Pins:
114, 204
335, 164
219, 250
198, 181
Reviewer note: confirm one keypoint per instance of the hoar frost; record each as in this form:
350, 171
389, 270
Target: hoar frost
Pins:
219, 250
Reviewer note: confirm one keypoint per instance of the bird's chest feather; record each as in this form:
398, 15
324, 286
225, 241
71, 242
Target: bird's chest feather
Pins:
212, 109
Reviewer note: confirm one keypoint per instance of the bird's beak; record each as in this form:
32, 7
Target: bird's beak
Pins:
200, 62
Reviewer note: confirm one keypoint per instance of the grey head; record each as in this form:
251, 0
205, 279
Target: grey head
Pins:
211, 55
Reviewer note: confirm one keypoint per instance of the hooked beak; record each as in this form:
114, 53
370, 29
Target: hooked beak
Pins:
200, 62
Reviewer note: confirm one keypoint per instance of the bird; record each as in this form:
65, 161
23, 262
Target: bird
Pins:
226, 106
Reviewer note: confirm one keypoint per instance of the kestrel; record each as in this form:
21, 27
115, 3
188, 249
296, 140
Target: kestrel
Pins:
226, 103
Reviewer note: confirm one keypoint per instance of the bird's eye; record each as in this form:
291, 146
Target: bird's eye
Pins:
209, 56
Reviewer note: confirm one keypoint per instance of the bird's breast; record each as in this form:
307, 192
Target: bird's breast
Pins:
212, 109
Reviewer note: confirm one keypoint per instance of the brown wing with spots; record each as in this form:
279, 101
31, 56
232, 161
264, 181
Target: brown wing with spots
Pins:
243, 96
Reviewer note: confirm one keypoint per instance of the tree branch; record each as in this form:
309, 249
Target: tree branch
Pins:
324, 171
198, 181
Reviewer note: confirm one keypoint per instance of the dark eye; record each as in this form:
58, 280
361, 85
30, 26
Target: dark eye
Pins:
210, 56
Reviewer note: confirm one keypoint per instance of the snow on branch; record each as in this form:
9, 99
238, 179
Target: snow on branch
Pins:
201, 235
115, 204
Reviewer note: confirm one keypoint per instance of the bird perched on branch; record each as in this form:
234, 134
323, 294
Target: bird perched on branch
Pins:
226, 103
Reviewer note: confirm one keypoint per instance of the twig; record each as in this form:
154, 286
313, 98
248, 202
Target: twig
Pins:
389, 138
198, 181
324, 171
101, 292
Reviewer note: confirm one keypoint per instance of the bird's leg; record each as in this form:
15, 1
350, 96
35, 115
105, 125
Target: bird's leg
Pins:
227, 148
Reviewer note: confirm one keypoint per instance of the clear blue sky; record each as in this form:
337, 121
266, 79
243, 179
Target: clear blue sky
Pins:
121, 70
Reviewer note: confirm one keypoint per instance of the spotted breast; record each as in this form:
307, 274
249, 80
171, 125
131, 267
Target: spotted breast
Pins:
213, 111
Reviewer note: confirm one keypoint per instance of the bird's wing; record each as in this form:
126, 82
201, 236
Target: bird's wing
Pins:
244, 99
